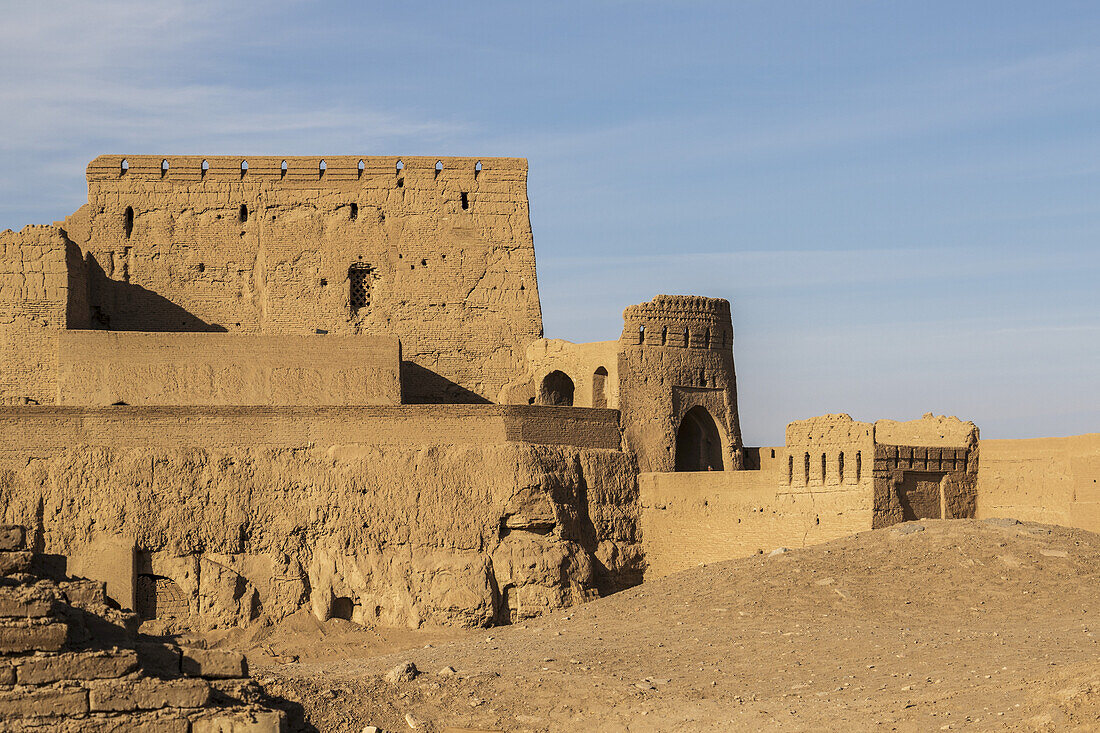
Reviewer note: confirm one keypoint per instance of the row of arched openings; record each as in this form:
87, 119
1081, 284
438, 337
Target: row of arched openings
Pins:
806, 461
557, 389
322, 166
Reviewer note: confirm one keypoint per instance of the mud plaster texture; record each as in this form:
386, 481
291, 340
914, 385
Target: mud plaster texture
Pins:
444, 534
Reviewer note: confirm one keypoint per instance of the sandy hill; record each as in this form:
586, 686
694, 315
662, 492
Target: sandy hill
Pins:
957, 625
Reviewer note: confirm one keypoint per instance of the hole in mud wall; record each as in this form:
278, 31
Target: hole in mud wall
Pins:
807, 468
343, 607
123, 167
353, 212
160, 598
556, 390
641, 334
242, 214
321, 169
244, 167
164, 168
438, 168
822, 468
698, 442
128, 221
840, 468
664, 335
859, 465
204, 168
361, 167
790, 469
282, 170
477, 169
509, 605
465, 201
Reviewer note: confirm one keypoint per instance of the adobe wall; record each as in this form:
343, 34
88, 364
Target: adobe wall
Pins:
447, 256
399, 515
1048, 480
134, 368
582, 363
676, 353
688, 519
40, 288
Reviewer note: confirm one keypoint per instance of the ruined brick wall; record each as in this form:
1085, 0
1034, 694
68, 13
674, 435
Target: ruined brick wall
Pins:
134, 368
407, 515
41, 291
441, 258
592, 368
1050, 480
676, 353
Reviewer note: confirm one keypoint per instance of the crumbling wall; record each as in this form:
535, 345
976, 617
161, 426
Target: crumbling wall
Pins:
132, 368
1049, 480
35, 289
441, 257
467, 530
592, 367
676, 353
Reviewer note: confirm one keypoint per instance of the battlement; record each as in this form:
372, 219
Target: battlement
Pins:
301, 169
687, 321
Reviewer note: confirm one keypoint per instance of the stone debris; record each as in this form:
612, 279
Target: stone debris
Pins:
779, 551
908, 528
404, 672
66, 655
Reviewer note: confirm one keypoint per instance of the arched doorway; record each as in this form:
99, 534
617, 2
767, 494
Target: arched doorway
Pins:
557, 390
698, 442
599, 387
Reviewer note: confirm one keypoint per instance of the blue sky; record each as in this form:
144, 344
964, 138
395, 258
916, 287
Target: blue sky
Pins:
902, 200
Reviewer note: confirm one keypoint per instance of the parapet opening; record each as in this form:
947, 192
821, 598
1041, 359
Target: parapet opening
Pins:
282, 169
321, 167
353, 212
664, 335
840, 468
465, 198
806, 468
128, 221
438, 168
359, 275
556, 390
204, 168
164, 168
361, 167
706, 338
244, 167
790, 470
123, 167
641, 334
242, 213
698, 442
477, 169
599, 387
823, 468
859, 465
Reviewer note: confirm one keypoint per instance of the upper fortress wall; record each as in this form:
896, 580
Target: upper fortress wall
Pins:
435, 251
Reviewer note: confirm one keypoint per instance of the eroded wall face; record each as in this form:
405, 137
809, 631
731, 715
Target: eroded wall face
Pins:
1050, 480
37, 280
676, 354
444, 260
118, 367
405, 532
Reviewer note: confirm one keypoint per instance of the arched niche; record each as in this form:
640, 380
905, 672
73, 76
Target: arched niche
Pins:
556, 390
699, 442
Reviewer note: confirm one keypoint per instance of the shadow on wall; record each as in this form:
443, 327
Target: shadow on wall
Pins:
420, 385
122, 306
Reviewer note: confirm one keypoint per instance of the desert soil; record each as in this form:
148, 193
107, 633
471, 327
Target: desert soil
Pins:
956, 625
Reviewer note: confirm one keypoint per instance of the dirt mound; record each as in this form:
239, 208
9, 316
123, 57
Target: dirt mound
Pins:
924, 626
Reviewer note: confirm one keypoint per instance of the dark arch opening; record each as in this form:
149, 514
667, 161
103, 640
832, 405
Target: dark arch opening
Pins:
128, 221
282, 169
164, 168
698, 442
556, 390
244, 167
599, 387
242, 213
204, 168
321, 168
123, 166
343, 607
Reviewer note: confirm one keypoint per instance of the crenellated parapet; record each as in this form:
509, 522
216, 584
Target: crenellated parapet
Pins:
686, 321
301, 169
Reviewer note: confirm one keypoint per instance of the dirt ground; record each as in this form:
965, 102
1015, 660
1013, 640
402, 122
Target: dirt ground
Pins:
956, 625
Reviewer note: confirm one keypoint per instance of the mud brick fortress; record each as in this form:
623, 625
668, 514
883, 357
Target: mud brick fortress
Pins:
235, 388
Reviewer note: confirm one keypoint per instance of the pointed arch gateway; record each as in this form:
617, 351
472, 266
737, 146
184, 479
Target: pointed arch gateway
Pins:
698, 442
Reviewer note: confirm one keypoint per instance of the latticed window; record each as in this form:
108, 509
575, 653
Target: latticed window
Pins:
359, 277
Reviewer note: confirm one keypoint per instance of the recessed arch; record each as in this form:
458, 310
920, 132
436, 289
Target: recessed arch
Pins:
203, 168
244, 167
361, 167
322, 166
283, 167
599, 387
698, 442
164, 168
123, 166
128, 221
556, 390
